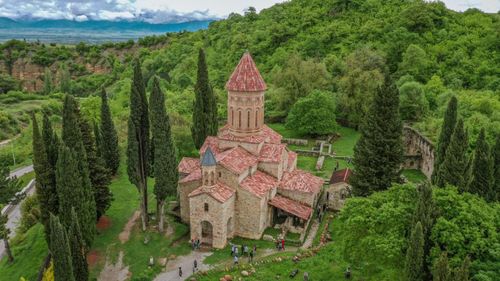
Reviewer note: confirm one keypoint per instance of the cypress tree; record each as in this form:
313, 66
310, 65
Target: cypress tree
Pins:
495, 159
205, 105
4, 236
64, 79
109, 145
51, 141
454, 167
78, 251
99, 174
98, 141
379, 151
414, 266
48, 85
72, 137
138, 140
481, 174
441, 270
425, 214
165, 168
45, 179
60, 250
449, 123
462, 273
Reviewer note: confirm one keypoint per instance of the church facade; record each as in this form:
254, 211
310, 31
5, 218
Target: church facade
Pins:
245, 179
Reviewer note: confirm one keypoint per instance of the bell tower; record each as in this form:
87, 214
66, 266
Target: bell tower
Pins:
245, 99
208, 166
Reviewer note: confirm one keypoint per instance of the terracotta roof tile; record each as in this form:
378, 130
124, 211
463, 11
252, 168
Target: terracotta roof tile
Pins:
213, 143
271, 152
259, 183
291, 206
301, 181
273, 136
291, 158
219, 192
246, 77
236, 159
341, 176
193, 176
188, 164
267, 135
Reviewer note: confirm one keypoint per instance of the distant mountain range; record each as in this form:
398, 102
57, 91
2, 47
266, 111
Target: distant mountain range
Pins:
68, 31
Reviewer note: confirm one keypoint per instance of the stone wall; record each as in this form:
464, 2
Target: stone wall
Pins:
248, 212
337, 193
304, 197
419, 151
183, 191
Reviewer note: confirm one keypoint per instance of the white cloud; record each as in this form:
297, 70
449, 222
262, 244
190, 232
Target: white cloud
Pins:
157, 11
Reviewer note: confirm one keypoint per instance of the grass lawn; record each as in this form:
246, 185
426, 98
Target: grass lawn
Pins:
224, 255
344, 146
308, 163
29, 252
414, 175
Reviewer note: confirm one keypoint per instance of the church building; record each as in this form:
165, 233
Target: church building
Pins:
245, 179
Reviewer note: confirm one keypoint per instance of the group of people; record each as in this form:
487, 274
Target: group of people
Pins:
280, 244
195, 244
245, 251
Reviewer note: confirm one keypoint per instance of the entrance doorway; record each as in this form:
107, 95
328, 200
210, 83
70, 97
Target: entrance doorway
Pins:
206, 233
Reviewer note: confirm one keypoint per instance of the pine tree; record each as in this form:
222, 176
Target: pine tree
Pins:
60, 250
379, 152
165, 168
425, 213
64, 79
481, 174
48, 85
414, 266
205, 105
449, 123
45, 178
441, 270
100, 177
138, 140
72, 137
495, 159
109, 145
454, 167
78, 251
4, 236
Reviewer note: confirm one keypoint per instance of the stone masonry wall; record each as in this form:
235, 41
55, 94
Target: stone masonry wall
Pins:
419, 149
184, 189
248, 213
306, 198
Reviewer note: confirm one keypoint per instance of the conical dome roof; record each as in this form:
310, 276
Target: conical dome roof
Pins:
208, 158
246, 77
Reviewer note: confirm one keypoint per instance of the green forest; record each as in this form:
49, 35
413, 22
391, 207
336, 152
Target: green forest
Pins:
352, 64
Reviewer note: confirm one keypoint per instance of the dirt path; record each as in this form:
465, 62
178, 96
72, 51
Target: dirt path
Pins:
186, 263
125, 234
312, 233
114, 272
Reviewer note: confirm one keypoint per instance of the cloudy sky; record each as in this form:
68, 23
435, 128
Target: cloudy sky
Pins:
161, 10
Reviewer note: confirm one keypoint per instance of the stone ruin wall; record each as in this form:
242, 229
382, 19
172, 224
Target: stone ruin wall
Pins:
419, 151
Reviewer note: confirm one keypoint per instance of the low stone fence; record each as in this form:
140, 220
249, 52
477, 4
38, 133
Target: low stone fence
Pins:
303, 142
8, 208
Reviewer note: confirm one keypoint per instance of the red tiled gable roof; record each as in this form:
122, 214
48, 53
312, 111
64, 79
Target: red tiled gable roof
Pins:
291, 157
219, 192
193, 176
341, 176
236, 159
265, 135
302, 181
188, 164
246, 77
271, 152
259, 183
213, 143
291, 206
273, 136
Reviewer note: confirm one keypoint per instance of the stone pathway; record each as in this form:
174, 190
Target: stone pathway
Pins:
186, 262
125, 234
312, 233
114, 272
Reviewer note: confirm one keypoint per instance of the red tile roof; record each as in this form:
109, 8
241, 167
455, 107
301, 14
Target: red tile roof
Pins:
302, 181
193, 176
246, 77
219, 192
213, 143
291, 206
259, 183
267, 135
273, 136
341, 176
271, 152
188, 164
236, 159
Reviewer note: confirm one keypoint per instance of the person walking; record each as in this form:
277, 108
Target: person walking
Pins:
250, 257
235, 251
283, 244
232, 250
245, 250
195, 266
235, 259
180, 271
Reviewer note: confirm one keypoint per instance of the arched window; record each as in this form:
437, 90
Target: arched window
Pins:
239, 119
257, 118
248, 119
220, 174
205, 207
232, 116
